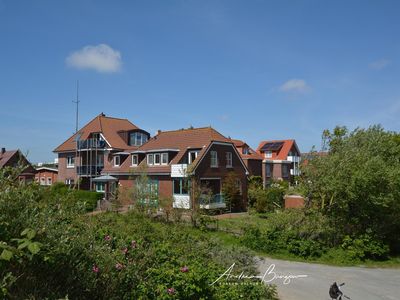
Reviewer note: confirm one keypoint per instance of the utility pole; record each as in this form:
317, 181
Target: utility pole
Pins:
76, 131
77, 106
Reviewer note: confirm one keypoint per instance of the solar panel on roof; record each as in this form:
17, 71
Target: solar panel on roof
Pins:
275, 146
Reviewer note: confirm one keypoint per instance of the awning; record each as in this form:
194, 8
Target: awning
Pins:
104, 178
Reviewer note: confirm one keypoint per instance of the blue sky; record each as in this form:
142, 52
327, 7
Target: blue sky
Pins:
254, 70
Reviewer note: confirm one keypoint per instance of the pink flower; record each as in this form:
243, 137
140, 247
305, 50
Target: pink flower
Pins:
119, 266
95, 269
184, 269
107, 238
171, 291
125, 250
133, 244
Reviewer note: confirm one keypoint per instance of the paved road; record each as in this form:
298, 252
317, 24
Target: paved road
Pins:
360, 283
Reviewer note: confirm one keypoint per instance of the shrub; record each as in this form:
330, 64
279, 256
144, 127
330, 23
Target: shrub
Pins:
365, 247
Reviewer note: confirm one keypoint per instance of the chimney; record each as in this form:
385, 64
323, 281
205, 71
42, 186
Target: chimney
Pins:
3, 150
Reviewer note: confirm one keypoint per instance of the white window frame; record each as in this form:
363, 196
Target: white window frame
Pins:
229, 159
103, 187
159, 159
115, 161
70, 158
268, 154
49, 181
196, 153
42, 180
213, 159
148, 159
137, 160
164, 155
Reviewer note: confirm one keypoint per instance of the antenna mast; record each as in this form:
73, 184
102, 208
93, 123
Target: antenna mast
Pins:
77, 106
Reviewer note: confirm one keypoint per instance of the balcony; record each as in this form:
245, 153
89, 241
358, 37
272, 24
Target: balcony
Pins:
179, 170
91, 144
212, 202
88, 170
295, 159
295, 172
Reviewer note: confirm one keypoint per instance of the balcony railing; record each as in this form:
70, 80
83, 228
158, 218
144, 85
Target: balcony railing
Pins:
295, 159
213, 201
91, 143
89, 170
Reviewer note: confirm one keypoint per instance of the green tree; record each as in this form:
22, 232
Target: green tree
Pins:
358, 183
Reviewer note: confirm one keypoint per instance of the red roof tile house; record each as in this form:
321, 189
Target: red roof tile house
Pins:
13, 158
177, 162
281, 159
83, 156
251, 158
46, 175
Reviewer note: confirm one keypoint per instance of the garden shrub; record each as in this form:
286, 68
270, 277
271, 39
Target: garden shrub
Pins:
109, 256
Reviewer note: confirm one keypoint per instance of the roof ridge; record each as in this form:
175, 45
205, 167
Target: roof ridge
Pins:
186, 129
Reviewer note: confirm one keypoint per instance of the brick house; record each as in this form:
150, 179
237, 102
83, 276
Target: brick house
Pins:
13, 158
83, 156
251, 158
281, 160
46, 175
179, 162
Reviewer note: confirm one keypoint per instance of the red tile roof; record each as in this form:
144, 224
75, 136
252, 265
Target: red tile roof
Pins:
283, 153
6, 156
108, 126
239, 144
181, 140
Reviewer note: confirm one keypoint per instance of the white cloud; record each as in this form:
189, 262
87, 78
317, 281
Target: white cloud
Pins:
379, 64
295, 85
101, 58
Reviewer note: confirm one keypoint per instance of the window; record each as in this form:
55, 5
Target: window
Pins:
268, 170
49, 181
164, 158
150, 159
42, 181
100, 187
70, 161
214, 159
285, 171
181, 187
96, 136
229, 159
192, 156
239, 186
135, 160
69, 181
137, 138
268, 154
117, 161
245, 150
157, 158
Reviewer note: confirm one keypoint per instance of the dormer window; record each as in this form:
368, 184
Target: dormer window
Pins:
137, 138
117, 161
157, 159
268, 154
164, 158
245, 150
135, 160
150, 159
192, 156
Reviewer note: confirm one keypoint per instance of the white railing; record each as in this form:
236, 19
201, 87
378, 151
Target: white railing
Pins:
293, 158
295, 172
179, 170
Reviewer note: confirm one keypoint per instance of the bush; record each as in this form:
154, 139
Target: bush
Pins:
108, 256
365, 247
